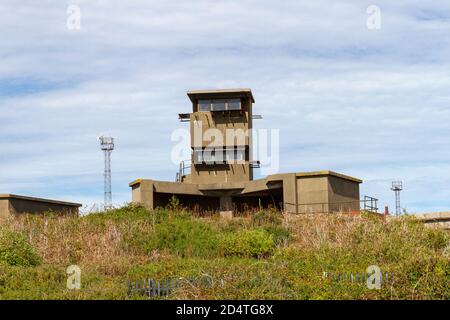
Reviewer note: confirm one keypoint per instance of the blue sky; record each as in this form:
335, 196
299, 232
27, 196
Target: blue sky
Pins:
374, 104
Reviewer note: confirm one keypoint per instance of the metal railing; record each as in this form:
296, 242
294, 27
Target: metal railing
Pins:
368, 204
154, 288
255, 164
182, 170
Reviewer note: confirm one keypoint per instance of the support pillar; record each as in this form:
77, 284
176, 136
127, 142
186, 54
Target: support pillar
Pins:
226, 207
142, 193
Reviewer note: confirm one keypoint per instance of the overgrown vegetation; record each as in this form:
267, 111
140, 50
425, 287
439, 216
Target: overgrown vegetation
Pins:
256, 243
266, 255
15, 249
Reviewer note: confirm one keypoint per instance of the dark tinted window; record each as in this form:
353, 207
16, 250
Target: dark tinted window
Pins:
204, 105
234, 104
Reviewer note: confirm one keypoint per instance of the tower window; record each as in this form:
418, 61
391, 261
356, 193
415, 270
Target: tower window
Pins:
204, 105
208, 155
219, 155
219, 105
234, 104
240, 154
198, 156
229, 155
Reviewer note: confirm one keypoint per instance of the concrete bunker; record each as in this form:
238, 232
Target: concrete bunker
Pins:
219, 176
12, 204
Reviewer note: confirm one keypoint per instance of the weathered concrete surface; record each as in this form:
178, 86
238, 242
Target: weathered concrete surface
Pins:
436, 219
226, 215
305, 192
221, 123
11, 204
228, 185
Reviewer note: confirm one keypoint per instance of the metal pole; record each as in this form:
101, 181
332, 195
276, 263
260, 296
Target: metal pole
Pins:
397, 203
107, 180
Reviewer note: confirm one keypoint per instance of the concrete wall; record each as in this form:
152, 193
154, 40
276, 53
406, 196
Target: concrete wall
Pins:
4, 208
142, 192
290, 197
202, 121
343, 195
439, 220
240, 121
312, 193
28, 206
13, 204
203, 174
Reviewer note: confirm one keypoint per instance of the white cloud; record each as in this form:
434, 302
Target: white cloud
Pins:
374, 104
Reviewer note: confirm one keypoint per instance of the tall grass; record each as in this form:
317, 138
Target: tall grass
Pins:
266, 255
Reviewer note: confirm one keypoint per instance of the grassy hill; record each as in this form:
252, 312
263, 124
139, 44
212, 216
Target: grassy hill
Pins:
266, 256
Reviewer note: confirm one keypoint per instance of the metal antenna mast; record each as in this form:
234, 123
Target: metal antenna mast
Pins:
397, 186
107, 145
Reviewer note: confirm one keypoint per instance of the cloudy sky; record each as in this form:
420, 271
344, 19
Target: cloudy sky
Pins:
371, 103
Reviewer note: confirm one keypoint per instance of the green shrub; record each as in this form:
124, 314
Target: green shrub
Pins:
280, 235
267, 217
130, 213
186, 237
233, 225
437, 239
249, 243
174, 203
15, 250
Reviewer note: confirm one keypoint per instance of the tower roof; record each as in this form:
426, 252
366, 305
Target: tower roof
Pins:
220, 93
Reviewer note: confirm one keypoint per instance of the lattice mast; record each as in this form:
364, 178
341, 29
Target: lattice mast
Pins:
397, 186
107, 145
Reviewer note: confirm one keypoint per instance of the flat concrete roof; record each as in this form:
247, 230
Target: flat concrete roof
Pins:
222, 186
248, 186
220, 93
434, 216
137, 181
327, 173
15, 196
